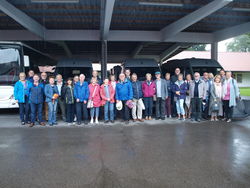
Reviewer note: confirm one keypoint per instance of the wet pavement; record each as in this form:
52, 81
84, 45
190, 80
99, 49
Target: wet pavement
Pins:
154, 154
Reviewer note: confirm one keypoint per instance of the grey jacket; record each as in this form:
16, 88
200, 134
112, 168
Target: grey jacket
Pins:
202, 89
164, 89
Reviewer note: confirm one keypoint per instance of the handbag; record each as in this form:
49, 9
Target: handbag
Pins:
215, 106
90, 103
142, 104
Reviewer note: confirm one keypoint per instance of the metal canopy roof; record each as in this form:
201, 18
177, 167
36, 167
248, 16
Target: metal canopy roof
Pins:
133, 28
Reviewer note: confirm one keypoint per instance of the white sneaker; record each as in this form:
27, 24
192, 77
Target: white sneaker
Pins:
96, 121
91, 121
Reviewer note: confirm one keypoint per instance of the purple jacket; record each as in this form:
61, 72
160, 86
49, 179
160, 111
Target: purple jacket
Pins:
148, 90
182, 88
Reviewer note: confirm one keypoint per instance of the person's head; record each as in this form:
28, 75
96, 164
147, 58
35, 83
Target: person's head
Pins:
112, 77
106, 81
222, 73
93, 80
177, 71
22, 76
94, 73
148, 77
157, 75
217, 79
188, 77
122, 77
197, 76
211, 76
205, 75
69, 82
51, 80
31, 73
36, 78
134, 77
127, 72
167, 76
76, 78
43, 75
59, 78
82, 77
180, 77
228, 74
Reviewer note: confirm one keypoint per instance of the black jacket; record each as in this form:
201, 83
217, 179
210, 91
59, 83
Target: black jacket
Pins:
68, 94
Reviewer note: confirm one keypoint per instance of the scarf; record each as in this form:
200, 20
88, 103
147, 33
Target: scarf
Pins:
179, 82
218, 90
225, 83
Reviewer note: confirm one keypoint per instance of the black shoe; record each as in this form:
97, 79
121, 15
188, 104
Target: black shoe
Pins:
157, 118
106, 121
127, 122
78, 123
23, 123
85, 123
55, 123
112, 121
51, 125
163, 118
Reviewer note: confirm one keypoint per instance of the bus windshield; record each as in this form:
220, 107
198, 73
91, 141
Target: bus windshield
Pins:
9, 66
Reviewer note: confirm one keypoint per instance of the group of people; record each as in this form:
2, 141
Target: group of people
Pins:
40, 98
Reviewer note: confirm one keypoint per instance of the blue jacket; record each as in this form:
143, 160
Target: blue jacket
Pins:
37, 94
124, 91
20, 92
81, 92
49, 92
182, 88
137, 89
169, 86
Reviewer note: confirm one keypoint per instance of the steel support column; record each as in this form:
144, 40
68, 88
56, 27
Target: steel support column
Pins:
104, 59
214, 51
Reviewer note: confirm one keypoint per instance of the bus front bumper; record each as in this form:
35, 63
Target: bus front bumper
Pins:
5, 104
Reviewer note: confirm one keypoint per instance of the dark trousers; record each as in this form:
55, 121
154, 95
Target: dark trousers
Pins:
173, 107
36, 111
228, 111
125, 111
81, 109
160, 108
70, 112
196, 105
168, 106
148, 102
61, 105
24, 111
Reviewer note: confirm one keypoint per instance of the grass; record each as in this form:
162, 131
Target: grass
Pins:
245, 91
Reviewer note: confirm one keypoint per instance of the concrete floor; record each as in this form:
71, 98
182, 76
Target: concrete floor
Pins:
149, 155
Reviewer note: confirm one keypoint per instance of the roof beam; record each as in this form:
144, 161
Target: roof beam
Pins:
22, 18
231, 32
65, 47
168, 52
137, 50
188, 20
106, 16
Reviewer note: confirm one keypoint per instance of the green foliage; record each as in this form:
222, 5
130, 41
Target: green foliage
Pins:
198, 47
240, 44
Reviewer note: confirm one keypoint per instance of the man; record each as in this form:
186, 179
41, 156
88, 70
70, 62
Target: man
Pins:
127, 74
61, 104
173, 79
205, 78
161, 96
44, 81
124, 93
81, 94
95, 75
197, 93
137, 99
223, 75
31, 73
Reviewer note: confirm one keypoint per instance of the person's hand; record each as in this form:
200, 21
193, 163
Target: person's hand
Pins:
85, 102
117, 101
77, 100
166, 97
177, 92
108, 99
16, 101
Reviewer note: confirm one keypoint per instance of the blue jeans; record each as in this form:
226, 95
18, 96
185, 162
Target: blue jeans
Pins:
94, 112
36, 110
148, 102
24, 111
109, 111
52, 112
180, 107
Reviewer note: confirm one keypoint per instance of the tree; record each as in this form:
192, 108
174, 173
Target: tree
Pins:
239, 44
198, 47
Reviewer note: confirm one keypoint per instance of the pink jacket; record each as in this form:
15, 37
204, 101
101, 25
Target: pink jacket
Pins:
148, 90
96, 98
111, 94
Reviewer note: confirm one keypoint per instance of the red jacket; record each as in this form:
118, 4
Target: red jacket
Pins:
148, 90
96, 98
111, 94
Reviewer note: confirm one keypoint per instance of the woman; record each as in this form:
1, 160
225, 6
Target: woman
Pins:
21, 95
52, 94
95, 98
180, 89
188, 99
36, 101
108, 99
215, 103
168, 100
148, 90
229, 96
68, 96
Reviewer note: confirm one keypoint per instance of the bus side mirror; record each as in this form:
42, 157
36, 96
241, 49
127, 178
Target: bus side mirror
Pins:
26, 61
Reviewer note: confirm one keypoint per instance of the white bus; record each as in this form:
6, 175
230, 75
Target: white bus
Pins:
11, 63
